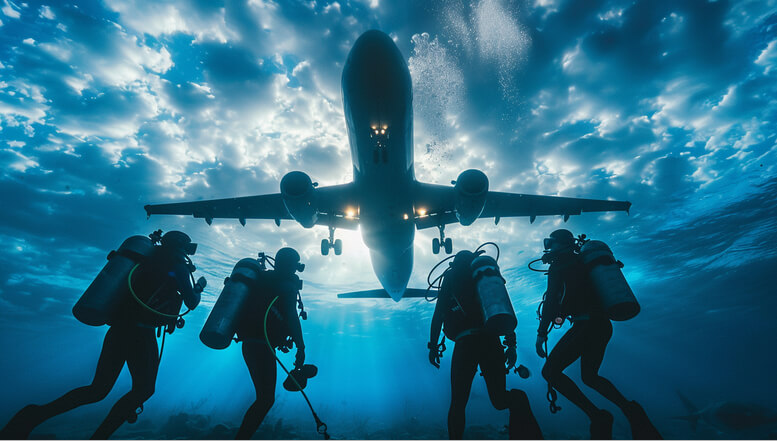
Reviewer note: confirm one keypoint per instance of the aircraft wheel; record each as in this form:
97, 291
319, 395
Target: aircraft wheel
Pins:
338, 247
448, 246
435, 246
324, 247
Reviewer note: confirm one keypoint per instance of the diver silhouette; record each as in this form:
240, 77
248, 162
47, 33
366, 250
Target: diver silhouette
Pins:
458, 311
130, 339
570, 295
280, 320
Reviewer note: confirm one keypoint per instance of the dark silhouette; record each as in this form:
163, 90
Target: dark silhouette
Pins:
130, 338
279, 318
457, 309
569, 294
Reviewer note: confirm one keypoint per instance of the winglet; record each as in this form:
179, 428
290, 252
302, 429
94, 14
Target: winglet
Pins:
628, 208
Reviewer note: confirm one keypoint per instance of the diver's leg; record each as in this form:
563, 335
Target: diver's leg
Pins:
143, 363
109, 367
598, 336
463, 367
522, 423
566, 351
261, 365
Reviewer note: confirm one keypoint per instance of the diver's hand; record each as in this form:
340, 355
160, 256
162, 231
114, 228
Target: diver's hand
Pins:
434, 355
539, 345
299, 360
510, 357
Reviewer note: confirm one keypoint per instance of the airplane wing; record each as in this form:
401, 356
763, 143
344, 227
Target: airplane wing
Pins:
332, 203
438, 203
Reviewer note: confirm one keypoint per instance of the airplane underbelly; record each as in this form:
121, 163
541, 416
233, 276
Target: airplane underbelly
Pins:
386, 218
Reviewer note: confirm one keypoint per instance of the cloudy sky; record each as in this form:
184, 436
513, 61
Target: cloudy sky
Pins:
108, 105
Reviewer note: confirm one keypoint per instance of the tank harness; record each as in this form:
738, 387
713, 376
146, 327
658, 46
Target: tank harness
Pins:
321, 427
179, 321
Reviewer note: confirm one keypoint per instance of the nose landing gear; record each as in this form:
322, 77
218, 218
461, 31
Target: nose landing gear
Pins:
327, 244
445, 243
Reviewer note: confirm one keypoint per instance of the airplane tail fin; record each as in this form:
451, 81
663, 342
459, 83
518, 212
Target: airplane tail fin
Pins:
693, 412
382, 294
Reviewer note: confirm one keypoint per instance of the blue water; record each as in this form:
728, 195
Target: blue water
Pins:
706, 330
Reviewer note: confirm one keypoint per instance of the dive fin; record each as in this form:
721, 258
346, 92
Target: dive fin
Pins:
382, 294
693, 412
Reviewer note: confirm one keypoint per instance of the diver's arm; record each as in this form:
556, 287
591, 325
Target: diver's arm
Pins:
290, 312
552, 299
191, 298
434, 334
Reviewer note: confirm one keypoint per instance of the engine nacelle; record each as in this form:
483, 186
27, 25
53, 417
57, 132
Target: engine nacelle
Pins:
471, 190
298, 193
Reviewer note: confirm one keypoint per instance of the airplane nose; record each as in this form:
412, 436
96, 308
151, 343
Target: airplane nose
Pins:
372, 41
393, 270
375, 51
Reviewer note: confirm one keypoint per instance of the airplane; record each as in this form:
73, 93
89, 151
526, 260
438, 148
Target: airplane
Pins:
384, 197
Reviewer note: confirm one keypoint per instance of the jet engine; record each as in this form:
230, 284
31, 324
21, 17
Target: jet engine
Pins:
298, 193
471, 190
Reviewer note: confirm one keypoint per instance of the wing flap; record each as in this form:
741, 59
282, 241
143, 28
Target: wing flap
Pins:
439, 203
500, 204
268, 206
333, 201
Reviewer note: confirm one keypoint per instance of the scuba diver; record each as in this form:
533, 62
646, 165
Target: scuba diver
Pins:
271, 319
158, 277
576, 291
459, 311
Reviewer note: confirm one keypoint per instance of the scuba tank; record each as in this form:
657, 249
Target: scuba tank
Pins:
498, 313
101, 300
225, 316
607, 281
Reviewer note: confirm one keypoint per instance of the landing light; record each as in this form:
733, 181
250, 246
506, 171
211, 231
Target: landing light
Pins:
422, 211
350, 212
383, 132
405, 216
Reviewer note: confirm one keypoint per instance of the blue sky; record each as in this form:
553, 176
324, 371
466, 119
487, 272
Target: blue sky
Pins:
107, 106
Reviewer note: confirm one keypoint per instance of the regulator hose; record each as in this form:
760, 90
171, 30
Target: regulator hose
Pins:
477, 250
320, 425
150, 309
535, 269
434, 283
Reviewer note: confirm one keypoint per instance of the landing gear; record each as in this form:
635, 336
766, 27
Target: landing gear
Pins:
445, 243
326, 244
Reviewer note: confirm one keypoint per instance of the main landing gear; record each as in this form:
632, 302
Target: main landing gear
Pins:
327, 244
446, 243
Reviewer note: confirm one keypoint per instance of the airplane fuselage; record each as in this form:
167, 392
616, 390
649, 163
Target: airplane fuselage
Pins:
378, 105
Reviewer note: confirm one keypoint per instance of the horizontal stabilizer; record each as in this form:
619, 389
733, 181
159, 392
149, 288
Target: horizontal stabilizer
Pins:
382, 294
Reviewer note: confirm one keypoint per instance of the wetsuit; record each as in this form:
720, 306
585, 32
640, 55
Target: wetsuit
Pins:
282, 321
128, 340
458, 311
569, 295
